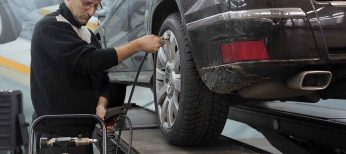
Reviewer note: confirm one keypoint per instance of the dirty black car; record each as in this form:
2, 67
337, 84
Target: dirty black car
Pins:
227, 52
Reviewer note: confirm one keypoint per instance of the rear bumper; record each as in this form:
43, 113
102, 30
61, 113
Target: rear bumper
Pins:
285, 31
288, 35
227, 78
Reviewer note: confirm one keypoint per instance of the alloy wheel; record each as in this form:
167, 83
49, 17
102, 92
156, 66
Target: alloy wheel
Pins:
168, 80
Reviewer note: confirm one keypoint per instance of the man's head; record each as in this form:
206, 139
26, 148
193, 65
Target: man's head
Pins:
82, 10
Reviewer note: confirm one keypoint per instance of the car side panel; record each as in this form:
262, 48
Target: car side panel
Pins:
138, 28
115, 31
123, 24
116, 25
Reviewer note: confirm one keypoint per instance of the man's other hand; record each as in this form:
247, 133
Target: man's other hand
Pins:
101, 107
101, 112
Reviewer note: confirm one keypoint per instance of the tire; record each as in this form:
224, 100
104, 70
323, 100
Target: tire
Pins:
189, 114
9, 30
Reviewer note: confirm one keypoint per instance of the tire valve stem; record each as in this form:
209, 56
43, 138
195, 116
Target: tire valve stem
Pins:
164, 40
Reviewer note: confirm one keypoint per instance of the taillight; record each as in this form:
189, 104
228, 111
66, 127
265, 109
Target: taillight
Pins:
244, 51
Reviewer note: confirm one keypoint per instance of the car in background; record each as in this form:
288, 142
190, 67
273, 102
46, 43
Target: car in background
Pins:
222, 53
15, 14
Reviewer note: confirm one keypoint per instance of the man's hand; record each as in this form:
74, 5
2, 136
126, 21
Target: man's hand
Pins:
101, 107
147, 43
101, 112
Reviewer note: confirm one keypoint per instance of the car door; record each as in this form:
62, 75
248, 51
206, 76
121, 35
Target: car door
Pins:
115, 26
114, 30
137, 15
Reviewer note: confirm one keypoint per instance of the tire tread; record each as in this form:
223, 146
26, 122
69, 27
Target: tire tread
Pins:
204, 114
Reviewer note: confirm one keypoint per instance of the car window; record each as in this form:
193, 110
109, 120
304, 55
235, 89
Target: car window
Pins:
137, 28
45, 3
27, 12
21, 8
136, 13
116, 24
106, 6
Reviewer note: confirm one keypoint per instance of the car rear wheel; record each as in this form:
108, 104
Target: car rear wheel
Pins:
188, 112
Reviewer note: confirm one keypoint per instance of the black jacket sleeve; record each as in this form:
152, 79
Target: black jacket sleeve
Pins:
105, 85
66, 49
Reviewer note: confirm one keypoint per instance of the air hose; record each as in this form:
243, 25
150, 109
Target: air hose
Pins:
127, 105
124, 116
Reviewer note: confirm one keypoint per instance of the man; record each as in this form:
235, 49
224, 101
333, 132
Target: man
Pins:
67, 66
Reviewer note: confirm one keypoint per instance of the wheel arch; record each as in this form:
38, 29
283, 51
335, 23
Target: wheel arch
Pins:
157, 18
158, 15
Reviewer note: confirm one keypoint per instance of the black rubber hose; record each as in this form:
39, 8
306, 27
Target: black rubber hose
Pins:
126, 108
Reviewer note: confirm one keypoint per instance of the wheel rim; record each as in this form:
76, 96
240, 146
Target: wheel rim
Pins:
168, 81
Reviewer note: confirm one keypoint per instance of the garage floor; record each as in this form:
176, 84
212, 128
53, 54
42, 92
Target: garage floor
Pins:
147, 138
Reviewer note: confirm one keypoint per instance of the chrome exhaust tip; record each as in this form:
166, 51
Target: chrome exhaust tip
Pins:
311, 80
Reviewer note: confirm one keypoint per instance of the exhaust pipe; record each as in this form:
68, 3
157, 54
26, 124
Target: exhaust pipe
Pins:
305, 83
311, 80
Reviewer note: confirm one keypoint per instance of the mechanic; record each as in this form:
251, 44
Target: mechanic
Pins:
68, 68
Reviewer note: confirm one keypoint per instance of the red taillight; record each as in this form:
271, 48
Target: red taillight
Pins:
244, 51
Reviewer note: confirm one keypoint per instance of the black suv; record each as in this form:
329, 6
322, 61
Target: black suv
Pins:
226, 52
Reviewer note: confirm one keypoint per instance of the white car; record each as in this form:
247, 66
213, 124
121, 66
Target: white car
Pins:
16, 13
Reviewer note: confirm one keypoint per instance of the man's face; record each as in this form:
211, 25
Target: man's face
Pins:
83, 10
